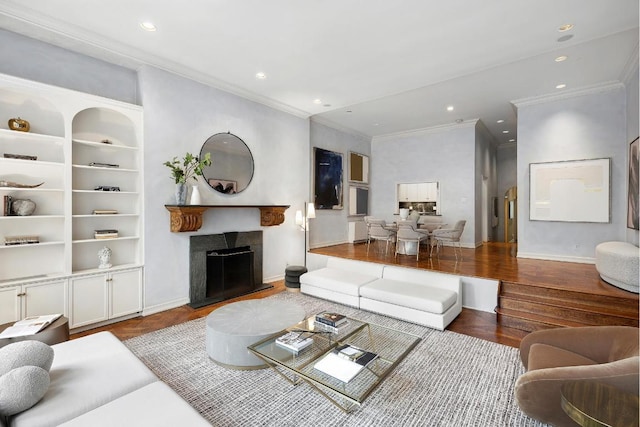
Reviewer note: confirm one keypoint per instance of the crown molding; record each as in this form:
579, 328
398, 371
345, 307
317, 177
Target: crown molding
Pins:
424, 131
568, 94
630, 69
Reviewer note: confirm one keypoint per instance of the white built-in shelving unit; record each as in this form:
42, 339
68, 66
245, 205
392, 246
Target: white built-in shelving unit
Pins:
60, 274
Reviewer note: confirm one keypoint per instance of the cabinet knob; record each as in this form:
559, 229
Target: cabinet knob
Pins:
21, 294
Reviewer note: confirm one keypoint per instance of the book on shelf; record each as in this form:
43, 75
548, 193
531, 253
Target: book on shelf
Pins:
21, 240
331, 319
104, 165
105, 234
20, 156
6, 205
29, 326
332, 329
105, 212
294, 341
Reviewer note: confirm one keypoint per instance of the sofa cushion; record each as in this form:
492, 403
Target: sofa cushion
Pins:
419, 297
342, 281
542, 356
21, 388
88, 372
25, 353
154, 405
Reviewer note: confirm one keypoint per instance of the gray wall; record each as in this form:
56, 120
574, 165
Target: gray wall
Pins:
180, 115
35, 60
446, 155
331, 226
586, 126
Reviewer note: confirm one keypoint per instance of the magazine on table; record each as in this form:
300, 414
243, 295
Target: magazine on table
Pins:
345, 362
295, 341
29, 326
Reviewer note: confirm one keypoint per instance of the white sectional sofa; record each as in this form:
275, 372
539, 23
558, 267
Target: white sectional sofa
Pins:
97, 381
420, 296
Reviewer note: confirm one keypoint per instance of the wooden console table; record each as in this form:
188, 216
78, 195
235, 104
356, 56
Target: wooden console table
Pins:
189, 217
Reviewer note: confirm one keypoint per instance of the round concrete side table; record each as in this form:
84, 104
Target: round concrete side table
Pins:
234, 327
292, 277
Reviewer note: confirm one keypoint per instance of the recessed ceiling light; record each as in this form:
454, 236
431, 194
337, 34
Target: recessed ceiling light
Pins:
561, 86
450, 108
147, 26
512, 140
505, 131
561, 58
500, 121
565, 27
317, 101
261, 76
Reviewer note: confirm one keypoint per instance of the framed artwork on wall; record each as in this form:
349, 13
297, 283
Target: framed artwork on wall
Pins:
358, 168
327, 168
358, 201
570, 191
633, 207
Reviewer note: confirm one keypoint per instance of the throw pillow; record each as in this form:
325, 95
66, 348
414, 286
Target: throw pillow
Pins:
21, 388
25, 353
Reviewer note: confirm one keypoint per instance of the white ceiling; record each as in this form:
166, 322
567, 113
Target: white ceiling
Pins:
379, 67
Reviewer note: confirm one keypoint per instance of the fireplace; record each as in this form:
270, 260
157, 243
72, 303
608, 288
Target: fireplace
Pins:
224, 266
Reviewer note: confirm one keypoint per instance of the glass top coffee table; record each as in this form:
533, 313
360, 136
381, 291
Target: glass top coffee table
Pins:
390, 345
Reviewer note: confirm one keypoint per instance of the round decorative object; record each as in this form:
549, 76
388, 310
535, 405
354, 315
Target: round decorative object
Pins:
23, 207
231, 169
19, 124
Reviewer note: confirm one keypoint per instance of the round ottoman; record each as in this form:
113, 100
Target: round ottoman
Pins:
292, 277
234, 327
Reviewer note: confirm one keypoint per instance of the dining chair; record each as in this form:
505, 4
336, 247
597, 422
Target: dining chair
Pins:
408, 233
377, 230
448, 235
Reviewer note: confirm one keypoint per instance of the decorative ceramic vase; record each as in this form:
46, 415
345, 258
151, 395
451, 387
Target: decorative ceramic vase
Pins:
404, 214
195, 196
104, 255
23, 207
181, 193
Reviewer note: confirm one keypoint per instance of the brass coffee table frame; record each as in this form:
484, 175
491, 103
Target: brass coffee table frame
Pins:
391, 346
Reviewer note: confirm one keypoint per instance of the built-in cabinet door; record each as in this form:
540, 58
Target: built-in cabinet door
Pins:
88, 300
125, 289
44, 298
9, 304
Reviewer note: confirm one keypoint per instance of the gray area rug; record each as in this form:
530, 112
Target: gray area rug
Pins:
448, 379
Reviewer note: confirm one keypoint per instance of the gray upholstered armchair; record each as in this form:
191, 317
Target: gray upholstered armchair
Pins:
448, 235
553, 357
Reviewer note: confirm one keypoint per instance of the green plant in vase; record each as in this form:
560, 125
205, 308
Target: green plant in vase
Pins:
182, 170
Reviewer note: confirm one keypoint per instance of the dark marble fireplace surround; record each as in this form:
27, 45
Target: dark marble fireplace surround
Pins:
200, 245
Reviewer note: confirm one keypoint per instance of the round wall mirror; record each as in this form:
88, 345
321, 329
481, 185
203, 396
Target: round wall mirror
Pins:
231, 167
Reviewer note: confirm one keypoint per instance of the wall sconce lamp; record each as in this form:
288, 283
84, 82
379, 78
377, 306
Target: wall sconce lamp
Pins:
303, 222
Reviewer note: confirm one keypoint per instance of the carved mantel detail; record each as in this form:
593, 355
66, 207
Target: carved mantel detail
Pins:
189, 218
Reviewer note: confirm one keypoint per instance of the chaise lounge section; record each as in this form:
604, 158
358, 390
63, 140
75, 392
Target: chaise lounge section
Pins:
97, 381
420, 296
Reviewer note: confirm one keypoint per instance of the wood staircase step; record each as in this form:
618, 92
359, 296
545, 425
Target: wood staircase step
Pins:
535, 307
588, 314
530, 321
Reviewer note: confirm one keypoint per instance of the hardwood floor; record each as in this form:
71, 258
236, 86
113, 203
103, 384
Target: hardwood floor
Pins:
492, 260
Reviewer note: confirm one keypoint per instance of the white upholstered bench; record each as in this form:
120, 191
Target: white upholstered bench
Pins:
619, 264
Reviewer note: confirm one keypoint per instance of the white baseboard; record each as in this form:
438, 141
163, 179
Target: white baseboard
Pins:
561, 258
325, 244
164, 306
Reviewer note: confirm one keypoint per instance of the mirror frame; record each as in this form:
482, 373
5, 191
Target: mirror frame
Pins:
212, 140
